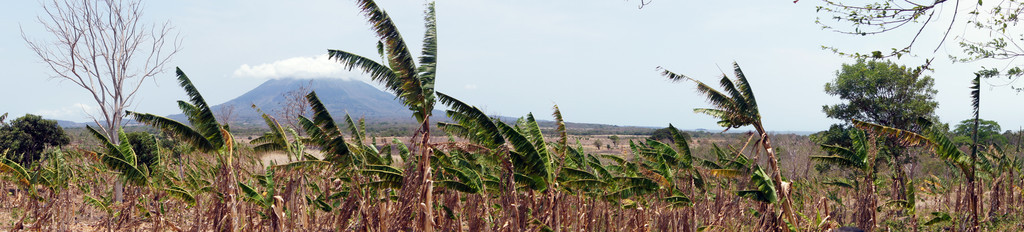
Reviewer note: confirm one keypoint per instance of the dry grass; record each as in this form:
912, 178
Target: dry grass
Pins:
717, 208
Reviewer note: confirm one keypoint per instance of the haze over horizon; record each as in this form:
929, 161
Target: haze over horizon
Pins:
595, 60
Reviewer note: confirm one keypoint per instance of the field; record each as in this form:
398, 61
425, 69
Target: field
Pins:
307, 199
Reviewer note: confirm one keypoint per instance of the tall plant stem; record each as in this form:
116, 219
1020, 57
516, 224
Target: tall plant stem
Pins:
427, 221
787, 204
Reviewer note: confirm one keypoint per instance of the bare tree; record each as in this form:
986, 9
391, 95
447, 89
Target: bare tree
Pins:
105, 48
226, 113
294, 105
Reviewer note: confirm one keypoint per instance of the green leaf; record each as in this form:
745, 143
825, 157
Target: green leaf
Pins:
101, 205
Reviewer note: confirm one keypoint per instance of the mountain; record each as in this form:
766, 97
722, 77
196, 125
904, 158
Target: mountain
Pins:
356, 98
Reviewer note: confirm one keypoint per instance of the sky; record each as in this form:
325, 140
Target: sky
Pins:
596, 59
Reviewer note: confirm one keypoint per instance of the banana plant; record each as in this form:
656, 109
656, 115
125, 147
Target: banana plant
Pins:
584, 173
999, 168
206, 135
459, 171
737, 107
763, 189
43, 180
935, 138
729, 163
15, 171
412, 84
667, 164
857, 157
121, 158
277, 139
522, 144
271, 204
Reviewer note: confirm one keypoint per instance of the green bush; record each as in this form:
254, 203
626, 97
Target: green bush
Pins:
26, 137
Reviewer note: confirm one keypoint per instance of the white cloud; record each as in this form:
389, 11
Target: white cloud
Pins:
470, 86
75, 111
299, 67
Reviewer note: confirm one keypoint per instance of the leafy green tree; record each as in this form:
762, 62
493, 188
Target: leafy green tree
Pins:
27, 136
145, 147
884, 93
837, 134
988, 133
881, 92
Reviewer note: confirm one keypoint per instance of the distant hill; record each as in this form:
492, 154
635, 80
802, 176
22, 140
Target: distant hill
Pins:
70, 124
356, 98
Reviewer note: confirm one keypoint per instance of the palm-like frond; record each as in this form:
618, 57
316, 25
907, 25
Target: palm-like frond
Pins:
526, 158
764, 188
479, 128
14, 169
250, 194
129, 171
304, 164
933, 137
945, 149
181, 194
121, 158
683, 147
726, 108
324, 132
206, 134
535, 135
598, 168
203, 119
976, 95
735, 108
737, 97
414, 86
101, 205
428, 59
586, 184
905, 138
633, 186
837, 160
574, 173
385, 173
744, 87
678, 201
840, 183
563, 138
727, 173
321, 117
180, 131
274, 140
353, 128
398, 54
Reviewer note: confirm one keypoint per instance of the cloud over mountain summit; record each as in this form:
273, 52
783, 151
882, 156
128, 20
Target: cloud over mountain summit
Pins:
299, 67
